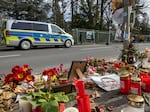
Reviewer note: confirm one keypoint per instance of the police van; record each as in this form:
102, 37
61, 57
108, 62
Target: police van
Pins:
26, 34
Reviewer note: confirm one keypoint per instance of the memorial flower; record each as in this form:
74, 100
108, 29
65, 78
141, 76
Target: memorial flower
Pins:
55, 74
30, 78
49, 74
8, 78
19, 75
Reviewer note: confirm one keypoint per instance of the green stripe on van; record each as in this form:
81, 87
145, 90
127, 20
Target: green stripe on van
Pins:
42, 39
32, 39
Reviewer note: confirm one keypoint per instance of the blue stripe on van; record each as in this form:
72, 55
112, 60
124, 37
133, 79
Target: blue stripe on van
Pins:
47, 39
55, 39
37, 39
37, 35
63, 37
13, 33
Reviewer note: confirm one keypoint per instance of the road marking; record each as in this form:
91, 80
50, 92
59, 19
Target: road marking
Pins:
6, 56
94, 48
61, 49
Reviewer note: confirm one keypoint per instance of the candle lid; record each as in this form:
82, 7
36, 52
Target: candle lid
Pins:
137, 79
63, 78
124, 74
71, 109
136, 98
144, 70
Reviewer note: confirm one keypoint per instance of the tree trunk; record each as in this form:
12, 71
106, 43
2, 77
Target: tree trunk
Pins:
72, 14
101, 14
90, 14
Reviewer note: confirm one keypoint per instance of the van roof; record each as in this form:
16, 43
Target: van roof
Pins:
28, 21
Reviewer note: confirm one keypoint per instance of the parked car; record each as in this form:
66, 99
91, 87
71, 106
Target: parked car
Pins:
25, 34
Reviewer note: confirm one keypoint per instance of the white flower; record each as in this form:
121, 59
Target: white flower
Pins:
45, 78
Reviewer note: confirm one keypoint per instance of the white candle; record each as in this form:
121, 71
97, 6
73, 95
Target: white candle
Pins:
24, 106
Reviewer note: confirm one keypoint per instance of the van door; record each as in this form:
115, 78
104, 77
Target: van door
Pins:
57, 34
40, 34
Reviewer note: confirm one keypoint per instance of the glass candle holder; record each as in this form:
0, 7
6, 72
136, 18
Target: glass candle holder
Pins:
135, 104
125, 83
135, 87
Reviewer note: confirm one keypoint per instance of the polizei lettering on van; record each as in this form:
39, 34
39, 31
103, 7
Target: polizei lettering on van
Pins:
25, 34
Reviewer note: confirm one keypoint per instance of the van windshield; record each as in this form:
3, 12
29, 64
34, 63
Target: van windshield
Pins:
56, 29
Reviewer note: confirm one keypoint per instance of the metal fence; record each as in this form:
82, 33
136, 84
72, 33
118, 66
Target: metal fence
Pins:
142, 38
88, 36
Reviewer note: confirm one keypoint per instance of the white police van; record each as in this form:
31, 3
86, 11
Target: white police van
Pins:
25, 34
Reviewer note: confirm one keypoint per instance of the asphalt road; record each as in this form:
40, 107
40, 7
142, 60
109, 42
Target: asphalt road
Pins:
44, 57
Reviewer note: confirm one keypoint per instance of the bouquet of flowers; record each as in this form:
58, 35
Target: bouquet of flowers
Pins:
19, 75
55, 75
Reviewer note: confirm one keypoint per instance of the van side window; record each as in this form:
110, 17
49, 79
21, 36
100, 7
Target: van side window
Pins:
22, 26
40, 27
56, 29
30, 26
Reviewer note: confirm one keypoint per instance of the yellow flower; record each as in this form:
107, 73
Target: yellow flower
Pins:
39, 79
53, 77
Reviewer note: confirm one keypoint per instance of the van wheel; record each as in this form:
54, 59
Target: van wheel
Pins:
68, 43
25, 44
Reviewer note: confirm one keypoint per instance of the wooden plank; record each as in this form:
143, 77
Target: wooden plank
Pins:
74, 66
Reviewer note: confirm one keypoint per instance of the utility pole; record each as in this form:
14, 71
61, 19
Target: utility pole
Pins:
126, 27
127, 22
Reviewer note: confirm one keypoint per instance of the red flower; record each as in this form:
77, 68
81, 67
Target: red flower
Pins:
118, 65
30, 78
51, 72
17, 69
19, 76
8, 78
45, 72
25, 67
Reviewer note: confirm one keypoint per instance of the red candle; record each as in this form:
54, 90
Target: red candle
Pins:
143, 75
37, 109
80, 87
86, 103
83, 103
61, 107
125, 83
80, 103
135, 87
146, 84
